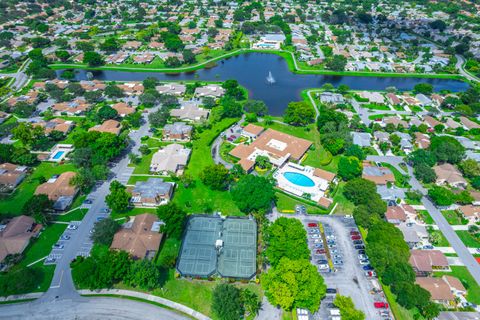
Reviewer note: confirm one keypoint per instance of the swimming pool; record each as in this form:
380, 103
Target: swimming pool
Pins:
58, 155
299, 179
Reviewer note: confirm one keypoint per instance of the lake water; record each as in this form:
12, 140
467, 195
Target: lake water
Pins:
251, 71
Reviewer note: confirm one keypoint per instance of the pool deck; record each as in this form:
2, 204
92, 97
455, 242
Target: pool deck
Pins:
317, 191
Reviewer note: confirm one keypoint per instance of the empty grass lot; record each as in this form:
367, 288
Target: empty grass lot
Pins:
468, 239
454, 218
13, 204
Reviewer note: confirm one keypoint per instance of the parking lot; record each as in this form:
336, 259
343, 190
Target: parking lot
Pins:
337, 251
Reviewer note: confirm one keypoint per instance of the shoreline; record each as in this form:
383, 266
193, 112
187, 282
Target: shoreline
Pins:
287, 55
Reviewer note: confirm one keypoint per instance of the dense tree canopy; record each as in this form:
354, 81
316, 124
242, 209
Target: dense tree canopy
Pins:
253, 194
299, 113
174, 219
227, 302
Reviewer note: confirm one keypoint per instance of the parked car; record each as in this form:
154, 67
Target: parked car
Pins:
337, 257
318, 245
334, 251
360, 247
428, 247
312, 225
361, 251
58, 246
356, 237
331, 290
72, 227
65, 237
368, 267
323, 266
353, 233
365, 261
358, 242
380, 305
338, 262
320, 251
370, 274
322, 261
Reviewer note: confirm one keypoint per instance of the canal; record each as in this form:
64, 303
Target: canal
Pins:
251, 71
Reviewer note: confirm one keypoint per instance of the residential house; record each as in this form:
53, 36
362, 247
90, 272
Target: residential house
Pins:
431, 122
189, 111
378, 175
56, 124
132, 88
424, 100
92, 85
469, 124
330, 97
11, 175
414, 234
362, 139
425, 262
73, 108
152, 193
448, 174
373, 97
422, 140
211, 90
175, 89
123, 109
395, 214
470, 212
108, 126
59, 190
140, 237
16, 234
170, 159
178, 131
439, 290
393, 99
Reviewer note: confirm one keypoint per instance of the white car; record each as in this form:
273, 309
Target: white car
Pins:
72, 227
323, 266
362, 257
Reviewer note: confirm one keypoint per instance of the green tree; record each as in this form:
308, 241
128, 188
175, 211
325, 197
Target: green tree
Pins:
104, 230
424, 173
256, 106
119, 198
144, 274
359, 190
216, 177
253, 194
189, 57
294, 284
93, 59
174, 218
107, 112
424, 88
299, 113
355, 151
227, 302
470, 168
349, 168
447, 149
38, 207
336, 63
251, 302
263, 162
347, 308
286, 238
113, 91
110, 45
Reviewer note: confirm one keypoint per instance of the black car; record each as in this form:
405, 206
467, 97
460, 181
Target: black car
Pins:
358, 242
322, 261
368, 267
360, 247
331, 290
361, 251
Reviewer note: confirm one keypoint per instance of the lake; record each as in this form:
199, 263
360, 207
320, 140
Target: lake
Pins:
251, 71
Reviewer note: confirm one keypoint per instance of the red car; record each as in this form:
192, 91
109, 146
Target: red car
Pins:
380, 305
354, 233
321, 251
356, 237
312, 225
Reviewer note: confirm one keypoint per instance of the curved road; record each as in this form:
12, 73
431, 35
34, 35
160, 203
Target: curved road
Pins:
459, 65
103, 308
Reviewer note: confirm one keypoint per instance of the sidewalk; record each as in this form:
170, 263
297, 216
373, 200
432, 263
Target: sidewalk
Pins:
174, 305
17, 297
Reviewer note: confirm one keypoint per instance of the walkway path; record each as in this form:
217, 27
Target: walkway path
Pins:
460, 67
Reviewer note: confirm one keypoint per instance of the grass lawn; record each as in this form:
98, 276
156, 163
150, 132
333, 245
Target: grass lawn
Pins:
144, 166
75, 215
13, 204
135, 179
133, 212
426, 216
199, 198
42, 246
286, 204
399, 312
344, 206
453, 217
468, 239
373, 106
225, 148
462, 273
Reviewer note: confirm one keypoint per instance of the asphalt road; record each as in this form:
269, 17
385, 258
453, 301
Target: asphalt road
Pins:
463, 72
103, 308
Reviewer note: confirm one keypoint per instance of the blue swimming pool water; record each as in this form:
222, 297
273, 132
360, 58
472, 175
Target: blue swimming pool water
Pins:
58, 155
299, 179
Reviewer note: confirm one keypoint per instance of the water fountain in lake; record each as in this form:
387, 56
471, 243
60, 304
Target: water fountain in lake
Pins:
270, 78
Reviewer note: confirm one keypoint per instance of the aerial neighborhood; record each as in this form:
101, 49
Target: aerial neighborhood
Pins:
240, 160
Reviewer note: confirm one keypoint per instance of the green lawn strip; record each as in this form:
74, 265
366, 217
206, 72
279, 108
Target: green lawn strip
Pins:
453, 217
13, 204
372, 106
286, 204
75, 215
380, 116
16, 301
401, 180
426, 216
42, 246
468, 239
144, 166
225, 148
462, 274
135, 179
132, 212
